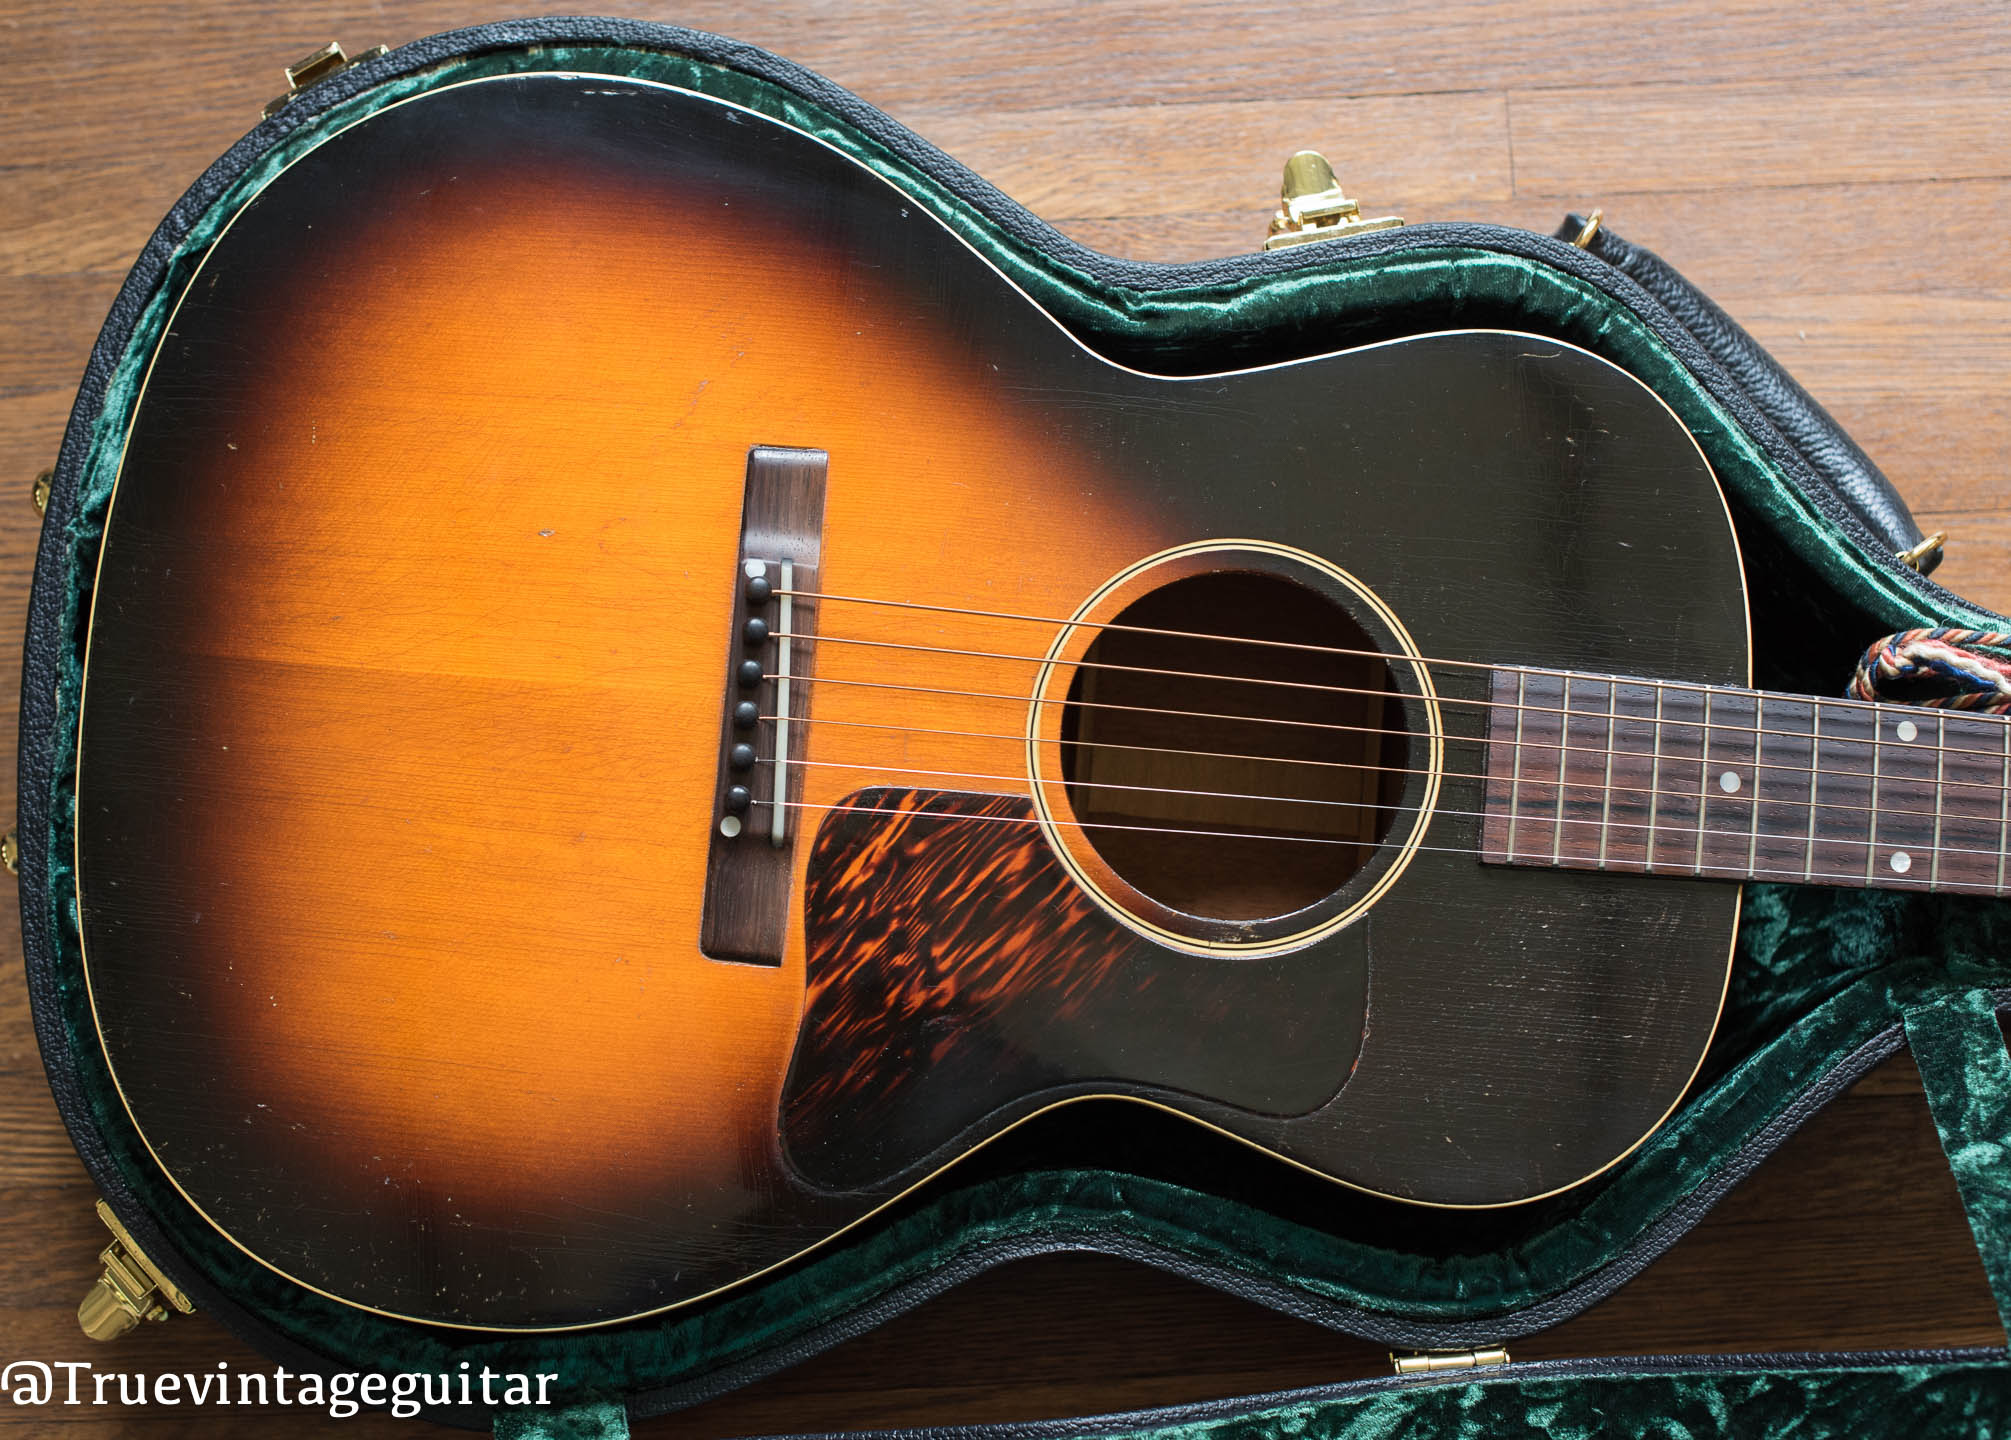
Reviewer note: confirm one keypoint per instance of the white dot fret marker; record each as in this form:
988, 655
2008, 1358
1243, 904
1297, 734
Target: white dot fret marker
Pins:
1729, 782
1908, 730
1901, 862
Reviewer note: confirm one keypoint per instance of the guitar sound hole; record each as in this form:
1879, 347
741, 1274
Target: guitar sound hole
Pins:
1290, 786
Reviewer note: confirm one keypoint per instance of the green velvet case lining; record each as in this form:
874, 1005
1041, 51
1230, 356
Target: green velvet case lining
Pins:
596, 1420
1917, 1402
1819, 973
1966, 1071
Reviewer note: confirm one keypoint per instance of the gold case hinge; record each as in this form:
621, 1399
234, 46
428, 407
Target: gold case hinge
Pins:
130, 1289
1434, 1362
1312, 207
38, 493
318, 66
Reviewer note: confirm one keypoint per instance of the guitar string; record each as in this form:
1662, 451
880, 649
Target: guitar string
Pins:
1905, 712
1854, 877
1609, 714
1990, 787
1752, 833
1874, 708
1655, 795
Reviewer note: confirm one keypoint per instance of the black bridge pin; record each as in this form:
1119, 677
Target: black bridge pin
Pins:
755, 631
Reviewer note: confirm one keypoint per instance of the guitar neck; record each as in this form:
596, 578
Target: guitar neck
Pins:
1596, 772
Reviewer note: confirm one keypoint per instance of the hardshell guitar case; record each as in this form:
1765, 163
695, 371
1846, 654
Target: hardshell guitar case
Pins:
1826, 982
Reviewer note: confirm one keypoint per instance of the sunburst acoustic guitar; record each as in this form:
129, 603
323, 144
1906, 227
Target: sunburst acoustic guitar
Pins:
619, 739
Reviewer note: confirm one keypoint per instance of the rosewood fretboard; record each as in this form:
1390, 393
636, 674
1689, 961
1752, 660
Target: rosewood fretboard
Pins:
1594, 772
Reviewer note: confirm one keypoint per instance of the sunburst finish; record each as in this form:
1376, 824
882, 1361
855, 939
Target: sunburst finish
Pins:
399, 733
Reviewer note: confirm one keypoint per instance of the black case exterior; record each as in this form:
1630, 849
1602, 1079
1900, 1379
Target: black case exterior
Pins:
1827, 468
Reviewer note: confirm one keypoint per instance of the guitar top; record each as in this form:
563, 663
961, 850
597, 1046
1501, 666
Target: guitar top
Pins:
620, 736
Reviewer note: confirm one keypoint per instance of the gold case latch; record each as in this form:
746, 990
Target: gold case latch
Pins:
1435, 1362
1312, 207
316, 66
1922, 556
130, 1290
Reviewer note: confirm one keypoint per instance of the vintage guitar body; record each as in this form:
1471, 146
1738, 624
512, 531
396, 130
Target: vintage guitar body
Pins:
415, 941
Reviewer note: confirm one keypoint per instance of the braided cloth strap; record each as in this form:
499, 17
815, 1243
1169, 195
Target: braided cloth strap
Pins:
1957, 669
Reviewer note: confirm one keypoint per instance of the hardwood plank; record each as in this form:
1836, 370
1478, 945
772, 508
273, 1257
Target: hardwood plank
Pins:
1801, 164
38, 1152
1752, 136
1938, 451
1967, 339
1137, 53
54, 319
1413, 153
1786, 242
1978, 553
51, 233
31, 424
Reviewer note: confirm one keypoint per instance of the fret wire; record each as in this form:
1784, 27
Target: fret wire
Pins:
1563, 753
1515, 784
1606, 800
1940, 769
1781, 805
1815, 783
1753, 837
1871, 846
1703, 782
1655, 781
2004, 811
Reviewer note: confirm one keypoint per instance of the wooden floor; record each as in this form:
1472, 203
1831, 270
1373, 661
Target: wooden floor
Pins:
1837, 176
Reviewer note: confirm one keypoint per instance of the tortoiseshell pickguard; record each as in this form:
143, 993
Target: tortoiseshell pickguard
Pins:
957, 974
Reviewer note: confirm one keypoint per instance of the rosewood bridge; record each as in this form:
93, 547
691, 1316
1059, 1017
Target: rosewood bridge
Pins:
1594, 772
